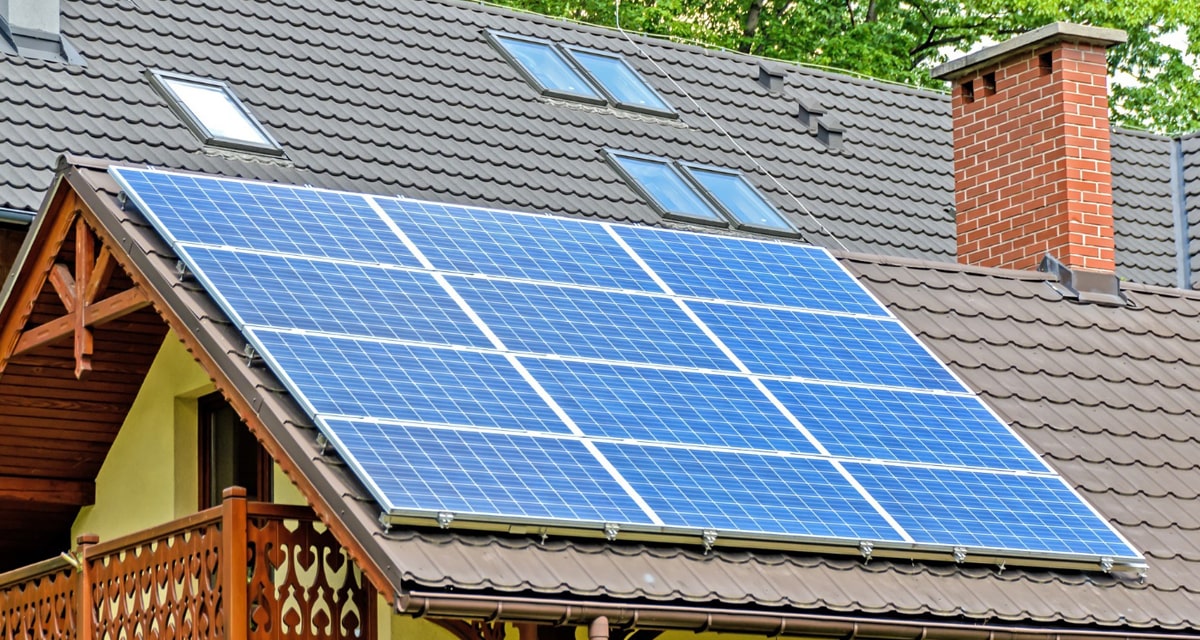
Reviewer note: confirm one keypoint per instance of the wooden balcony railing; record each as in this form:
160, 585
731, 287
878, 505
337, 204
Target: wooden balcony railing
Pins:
241, 571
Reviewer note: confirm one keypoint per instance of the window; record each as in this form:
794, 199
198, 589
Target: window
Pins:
622, 84
700, 193
213, 113
229, 455
740, 200
580, 74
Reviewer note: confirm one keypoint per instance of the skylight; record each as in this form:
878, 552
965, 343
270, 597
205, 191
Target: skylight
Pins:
742, 201
580, 74
700, 193
668, 189
211, 110
619, 80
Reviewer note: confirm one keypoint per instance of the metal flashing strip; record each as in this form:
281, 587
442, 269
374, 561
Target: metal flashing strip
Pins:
1095, 287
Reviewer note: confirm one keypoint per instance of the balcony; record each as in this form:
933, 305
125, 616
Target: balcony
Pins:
242, 571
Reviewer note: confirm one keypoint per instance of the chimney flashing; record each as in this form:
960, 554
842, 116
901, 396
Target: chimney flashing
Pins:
1052, 33
1082, 285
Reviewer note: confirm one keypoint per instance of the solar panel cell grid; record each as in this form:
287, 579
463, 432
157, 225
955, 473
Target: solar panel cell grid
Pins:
335, 297
264, 217
871, 351
735, 269
585, 323
353, 377
905, 426
975, 509
729, 491
663, 405
516, 245
490, 474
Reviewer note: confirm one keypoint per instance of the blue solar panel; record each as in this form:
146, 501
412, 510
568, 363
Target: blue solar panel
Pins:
665, 405
220, 212
906, 426
569, 346
350, 377
998, 511
873, 351
514, 245
728, 491
589, 323
489, 474
739, 270
334, 297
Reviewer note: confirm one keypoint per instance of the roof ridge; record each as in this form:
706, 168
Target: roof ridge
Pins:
827, 72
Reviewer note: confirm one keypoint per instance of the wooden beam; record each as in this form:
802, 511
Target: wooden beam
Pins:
107, 310
47, 490
85, 259
64, 285
101, 274
33, 274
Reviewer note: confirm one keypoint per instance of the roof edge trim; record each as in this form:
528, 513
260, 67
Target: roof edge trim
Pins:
16, 216
745, 621
1045, 35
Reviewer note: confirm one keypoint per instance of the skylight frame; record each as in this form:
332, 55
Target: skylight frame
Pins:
614, 157
684, 170
667, 111
162, 82
688, 168
497, 39
602, 94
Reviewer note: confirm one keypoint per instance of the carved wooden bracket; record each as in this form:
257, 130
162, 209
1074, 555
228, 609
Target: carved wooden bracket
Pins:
78, 290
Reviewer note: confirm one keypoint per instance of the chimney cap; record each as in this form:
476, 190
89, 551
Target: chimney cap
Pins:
1045, 35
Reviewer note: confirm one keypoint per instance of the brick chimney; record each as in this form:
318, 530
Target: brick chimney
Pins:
1032, 167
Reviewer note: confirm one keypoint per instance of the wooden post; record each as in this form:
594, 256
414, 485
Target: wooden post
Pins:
86, 614
233, 563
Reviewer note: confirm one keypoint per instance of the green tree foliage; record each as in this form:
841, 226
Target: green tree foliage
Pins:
1157, 87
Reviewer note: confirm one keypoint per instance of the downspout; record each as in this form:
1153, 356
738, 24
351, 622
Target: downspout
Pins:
1183, 258
744, 621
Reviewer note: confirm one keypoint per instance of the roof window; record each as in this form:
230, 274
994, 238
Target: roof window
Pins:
581, 74
213, 113
700, 193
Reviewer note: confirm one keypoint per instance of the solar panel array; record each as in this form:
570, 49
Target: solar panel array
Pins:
507, 367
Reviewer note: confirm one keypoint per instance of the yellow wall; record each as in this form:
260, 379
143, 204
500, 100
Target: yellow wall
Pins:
149, 476
151, 473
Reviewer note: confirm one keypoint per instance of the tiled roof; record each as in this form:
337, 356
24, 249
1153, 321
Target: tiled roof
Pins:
1107, 395
411, 98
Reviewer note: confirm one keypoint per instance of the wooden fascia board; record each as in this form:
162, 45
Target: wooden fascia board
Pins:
238, 387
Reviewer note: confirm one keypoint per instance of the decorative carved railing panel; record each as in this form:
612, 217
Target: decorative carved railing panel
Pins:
38, 602
302, 584
165, 585
239, 571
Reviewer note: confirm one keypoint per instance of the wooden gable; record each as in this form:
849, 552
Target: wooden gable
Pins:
77, 337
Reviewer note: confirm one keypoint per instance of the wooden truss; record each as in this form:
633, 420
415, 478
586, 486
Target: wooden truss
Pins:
78, 289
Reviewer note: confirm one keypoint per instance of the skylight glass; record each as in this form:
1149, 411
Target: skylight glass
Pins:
214, 113
549, 70
619, 80
741, 200
665, 187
